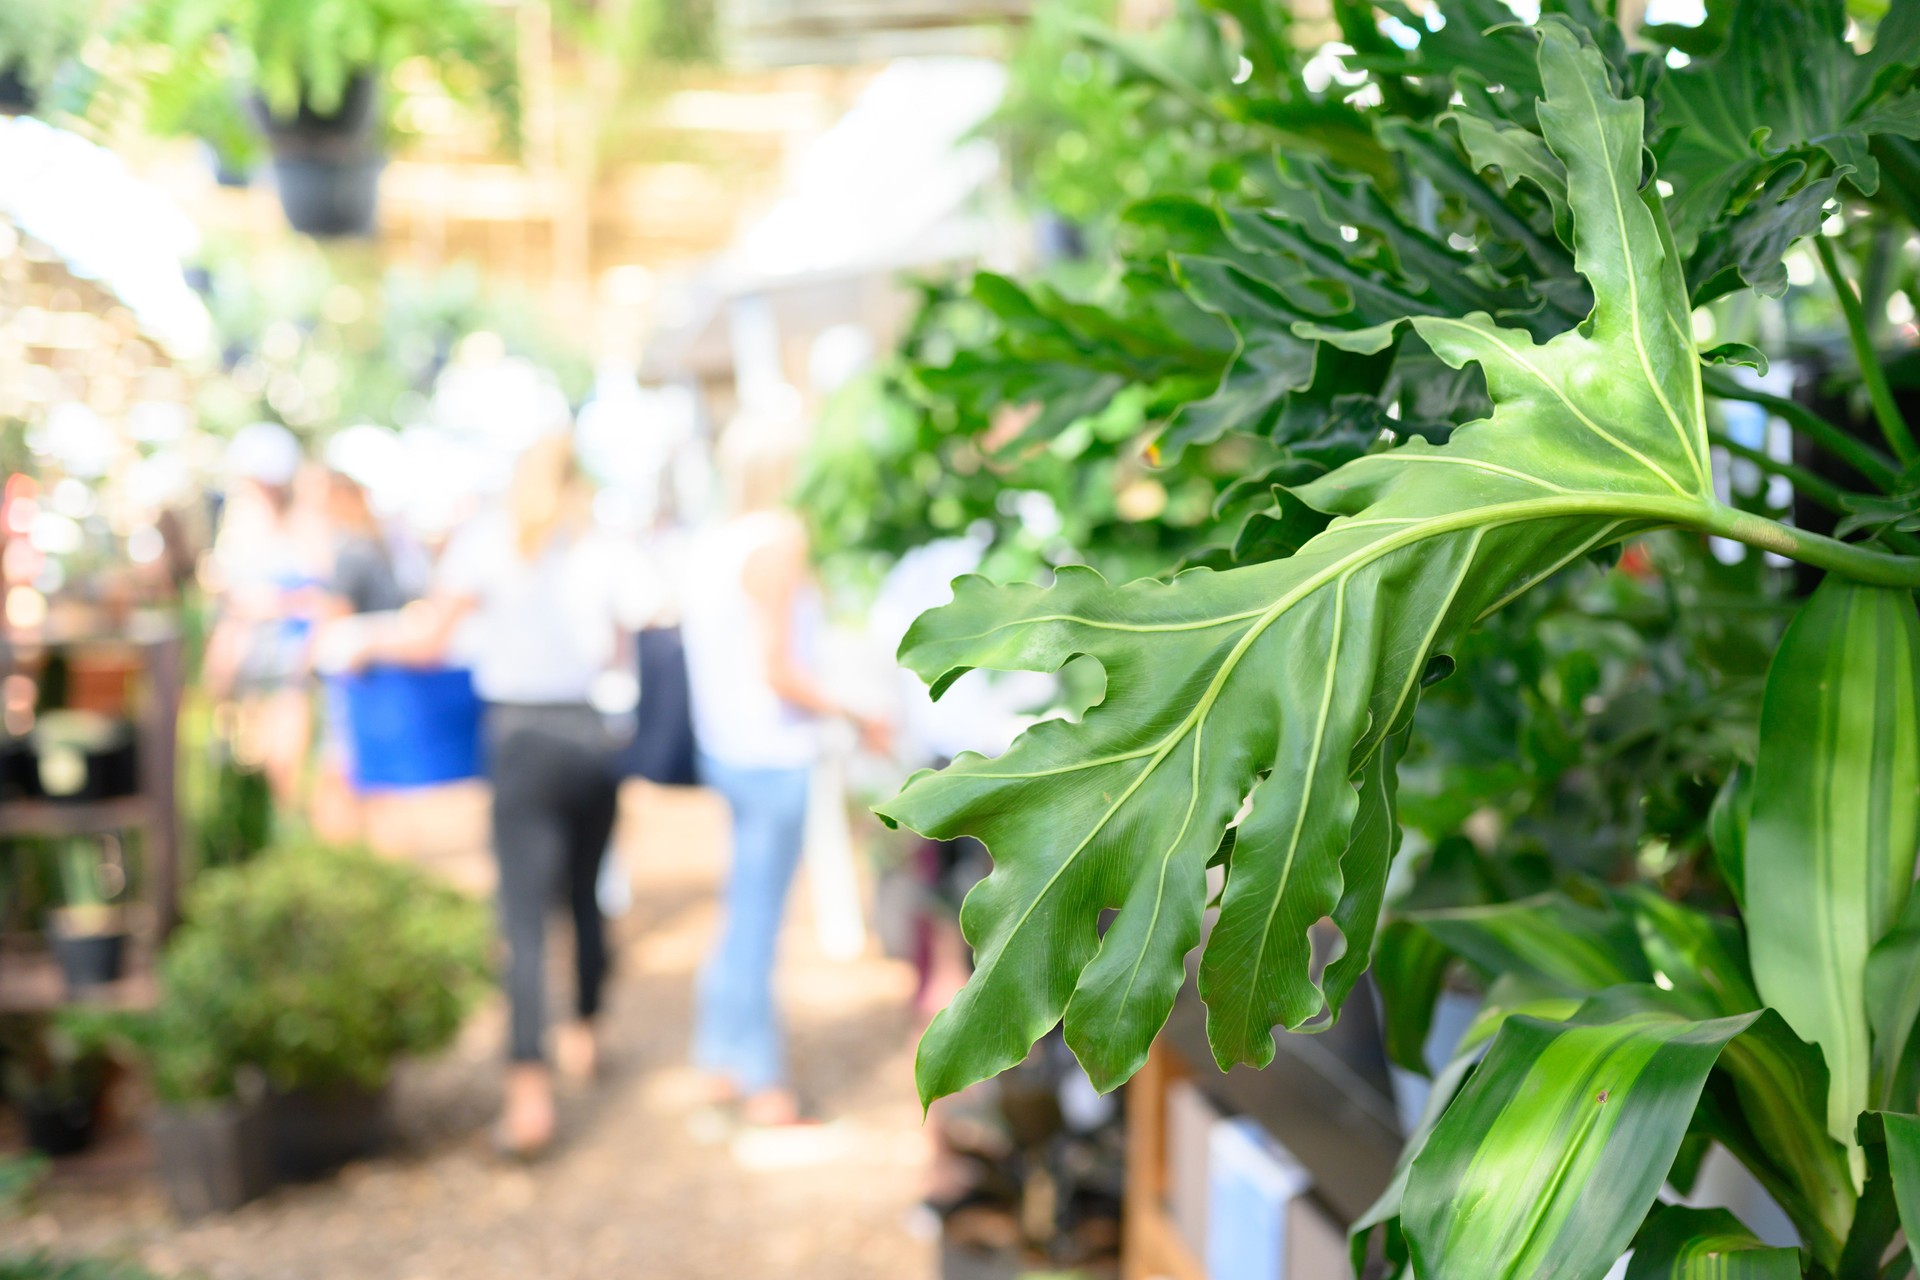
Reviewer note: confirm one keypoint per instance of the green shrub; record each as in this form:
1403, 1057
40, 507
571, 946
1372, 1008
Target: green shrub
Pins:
319, 966
40, 1266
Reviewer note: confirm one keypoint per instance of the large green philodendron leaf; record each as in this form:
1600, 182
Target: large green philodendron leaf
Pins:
1706, 1244
1548, 1159
1276, 683
1836, 816
1787, 80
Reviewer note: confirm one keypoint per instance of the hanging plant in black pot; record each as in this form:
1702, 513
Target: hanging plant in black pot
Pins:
319, 84
37, 39
327, 163
53, 1083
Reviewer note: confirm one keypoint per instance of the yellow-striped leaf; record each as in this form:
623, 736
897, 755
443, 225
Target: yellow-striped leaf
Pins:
1706, 1244
1548, 1160
1836, 816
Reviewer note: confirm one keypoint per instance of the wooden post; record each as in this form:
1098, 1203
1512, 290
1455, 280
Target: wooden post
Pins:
1150, 1247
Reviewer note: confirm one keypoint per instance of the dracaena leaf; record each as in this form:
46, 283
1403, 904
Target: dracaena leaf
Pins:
1706, 1244
1553, 1152
1831, 841
1409, 971
1550, 938
1893, 1010
1903, 1165
1274, 685
1385, 1212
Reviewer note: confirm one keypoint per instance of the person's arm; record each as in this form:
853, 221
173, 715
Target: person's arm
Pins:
420, 633
773, 576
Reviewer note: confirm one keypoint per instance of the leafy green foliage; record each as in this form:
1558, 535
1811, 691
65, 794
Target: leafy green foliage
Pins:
19, 1175
1839, 749
304, 54
38, 37
1295, 670
1440, 307
1558, 1116
44, 1266
1903, 1158
1784, 84
1706, 1244
318, 966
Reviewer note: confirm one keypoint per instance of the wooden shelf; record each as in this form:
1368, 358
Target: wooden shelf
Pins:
31, 982
74, 817
1324, 1098
30, 978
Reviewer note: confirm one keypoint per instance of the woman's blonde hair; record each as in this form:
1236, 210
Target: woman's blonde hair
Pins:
549, 496
758, 454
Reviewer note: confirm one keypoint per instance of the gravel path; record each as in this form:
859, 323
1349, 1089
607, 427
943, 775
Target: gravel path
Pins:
638, 1187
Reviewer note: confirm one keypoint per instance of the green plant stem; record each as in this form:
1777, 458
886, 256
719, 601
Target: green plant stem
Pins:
1892, 425
1862, 564
1874, 465
1823, 491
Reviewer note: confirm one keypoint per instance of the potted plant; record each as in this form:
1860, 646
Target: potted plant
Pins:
54, 1081
37, 37
88, 931
84, 755
320, 967
1565, 213
43, 1266
315, 73
209, 1127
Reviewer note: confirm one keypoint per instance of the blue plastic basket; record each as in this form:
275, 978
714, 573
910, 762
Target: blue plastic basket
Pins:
408, 727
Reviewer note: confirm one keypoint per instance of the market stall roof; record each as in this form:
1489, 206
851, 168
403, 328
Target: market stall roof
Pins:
887, 189
788, 32
106, 226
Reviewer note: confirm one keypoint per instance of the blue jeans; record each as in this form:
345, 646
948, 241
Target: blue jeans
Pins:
736, 1031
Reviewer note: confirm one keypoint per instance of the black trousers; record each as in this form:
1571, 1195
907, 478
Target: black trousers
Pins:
554, 795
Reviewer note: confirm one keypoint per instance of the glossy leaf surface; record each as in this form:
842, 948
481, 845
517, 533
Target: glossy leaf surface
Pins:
1278, 682
1553, 1152
1903, 1163
1830, 845
1706, 1244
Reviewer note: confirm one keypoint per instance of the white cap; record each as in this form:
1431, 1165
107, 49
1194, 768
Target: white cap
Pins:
265, 452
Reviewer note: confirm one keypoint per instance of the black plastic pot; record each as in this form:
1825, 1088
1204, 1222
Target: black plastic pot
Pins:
312, 1132
75, 773
19, 770
327, 167
88, 960
16, 99
213, 1157
58, 1125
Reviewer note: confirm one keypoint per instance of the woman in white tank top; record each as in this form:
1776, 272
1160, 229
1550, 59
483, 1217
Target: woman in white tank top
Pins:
752, 618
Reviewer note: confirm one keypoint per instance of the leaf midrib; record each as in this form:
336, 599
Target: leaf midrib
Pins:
1499, 515
1687, 443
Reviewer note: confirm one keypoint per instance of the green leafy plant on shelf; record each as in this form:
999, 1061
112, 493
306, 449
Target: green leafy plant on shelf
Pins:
1466, 334
319, 967
44, 1266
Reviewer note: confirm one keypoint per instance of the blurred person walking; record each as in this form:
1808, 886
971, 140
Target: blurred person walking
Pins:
257, 654
752, 620
538, 587
360, 579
